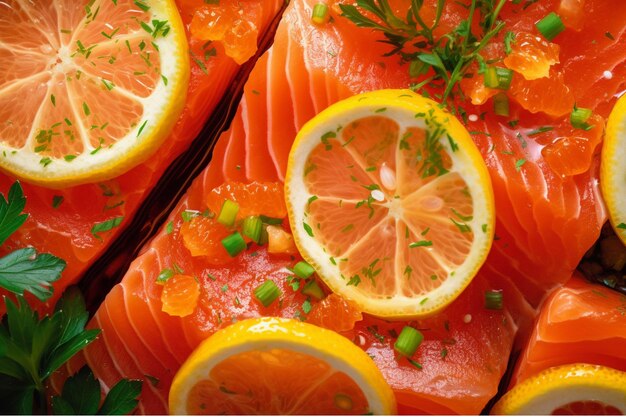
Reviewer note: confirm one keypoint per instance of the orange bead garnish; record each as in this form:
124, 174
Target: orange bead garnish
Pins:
532, 56
203, 237
572, 13
531, 94
572, 154
231, 25
474, 87
180, 295
335, 313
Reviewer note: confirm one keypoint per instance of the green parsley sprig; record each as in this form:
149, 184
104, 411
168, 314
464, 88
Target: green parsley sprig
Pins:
81, 396
24, 269
31, 349
449, 57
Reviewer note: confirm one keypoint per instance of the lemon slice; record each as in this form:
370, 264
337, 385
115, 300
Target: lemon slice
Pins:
279, 366
613, 168
391, 202
93, 89
569, 389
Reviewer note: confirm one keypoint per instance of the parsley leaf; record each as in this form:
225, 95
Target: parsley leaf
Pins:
31, 349
11, 216
106, 226
81, 396
122, 399
16, 397
25, 270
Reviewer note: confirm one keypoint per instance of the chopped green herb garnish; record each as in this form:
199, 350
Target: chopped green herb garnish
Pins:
408, 341
501, 105
320, 13
540, 130
493, 300
498, 78
234, 244
509, 39
188, 215
252, 227
306, 307
550, 26
143, 125
420, 243
267, 292
578, 118
312, 289
57, 200
354, 280
228, 213
307, 229
109, 85
106, 226
164, 275
303, 270
415, 364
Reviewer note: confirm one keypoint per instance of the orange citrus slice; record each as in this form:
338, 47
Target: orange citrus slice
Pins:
391, 202
613, 167
577, 389
279, 366
88, 89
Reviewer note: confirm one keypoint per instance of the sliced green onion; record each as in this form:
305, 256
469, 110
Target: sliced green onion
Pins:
493, 300
264, 236
320, 14
491, 77
578, 118
501, 104
500, 78
408, 341
234, 244
267, 292
313, 289
252, 227
303, 270
550, 26
505, 76
165, 274
228, 213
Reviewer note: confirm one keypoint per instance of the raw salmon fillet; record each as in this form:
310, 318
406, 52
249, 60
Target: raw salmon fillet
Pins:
65, 231
545, 221
579, 323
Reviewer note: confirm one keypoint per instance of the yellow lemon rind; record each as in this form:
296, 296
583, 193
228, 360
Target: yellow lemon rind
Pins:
277, 333
613, 167
558, 386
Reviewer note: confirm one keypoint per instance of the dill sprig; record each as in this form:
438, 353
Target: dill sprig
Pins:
449, 56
